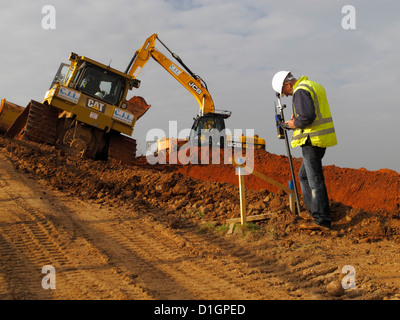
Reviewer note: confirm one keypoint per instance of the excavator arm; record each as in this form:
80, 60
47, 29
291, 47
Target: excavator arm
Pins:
193, 83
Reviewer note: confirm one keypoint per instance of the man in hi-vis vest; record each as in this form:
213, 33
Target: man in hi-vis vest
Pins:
313, 132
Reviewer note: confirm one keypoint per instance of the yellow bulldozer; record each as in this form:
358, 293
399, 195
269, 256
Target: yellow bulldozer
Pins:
85, 111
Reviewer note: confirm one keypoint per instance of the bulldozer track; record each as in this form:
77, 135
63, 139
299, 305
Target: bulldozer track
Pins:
41, 124
122, 149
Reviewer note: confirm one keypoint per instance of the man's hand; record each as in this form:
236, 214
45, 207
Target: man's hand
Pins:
290, 123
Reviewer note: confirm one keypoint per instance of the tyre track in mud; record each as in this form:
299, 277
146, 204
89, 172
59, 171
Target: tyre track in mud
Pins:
164, 263
33, 235
111, 249
118, 253
100, 253
185, 264
256, 268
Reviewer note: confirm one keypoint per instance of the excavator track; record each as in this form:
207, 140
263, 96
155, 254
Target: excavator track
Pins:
38, 123
122, 149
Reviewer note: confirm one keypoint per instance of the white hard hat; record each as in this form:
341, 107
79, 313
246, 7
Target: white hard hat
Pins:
277, 81
100, 94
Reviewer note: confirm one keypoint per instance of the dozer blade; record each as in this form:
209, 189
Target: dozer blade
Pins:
19, 124
38, 122
9, 112
122, 149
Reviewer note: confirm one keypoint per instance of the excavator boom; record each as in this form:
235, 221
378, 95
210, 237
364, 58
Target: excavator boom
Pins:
188, 79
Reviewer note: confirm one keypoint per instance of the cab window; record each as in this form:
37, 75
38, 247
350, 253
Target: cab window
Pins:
102, 85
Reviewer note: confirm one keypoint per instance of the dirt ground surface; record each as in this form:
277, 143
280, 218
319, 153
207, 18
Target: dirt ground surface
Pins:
159, 232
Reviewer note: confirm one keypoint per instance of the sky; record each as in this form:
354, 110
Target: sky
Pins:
236, 47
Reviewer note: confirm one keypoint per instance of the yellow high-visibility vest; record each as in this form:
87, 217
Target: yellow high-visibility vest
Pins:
321, 131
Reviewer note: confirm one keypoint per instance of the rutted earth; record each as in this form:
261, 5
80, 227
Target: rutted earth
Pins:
159, 232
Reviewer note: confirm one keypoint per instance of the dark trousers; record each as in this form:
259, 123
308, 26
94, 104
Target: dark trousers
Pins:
312, 184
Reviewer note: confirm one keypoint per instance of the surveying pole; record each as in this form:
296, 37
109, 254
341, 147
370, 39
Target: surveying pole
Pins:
282, 128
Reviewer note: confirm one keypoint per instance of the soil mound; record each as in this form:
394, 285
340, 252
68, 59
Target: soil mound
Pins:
365, 204
358, 188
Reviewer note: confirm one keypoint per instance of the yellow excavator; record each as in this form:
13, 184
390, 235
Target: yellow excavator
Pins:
207, 119
85, 111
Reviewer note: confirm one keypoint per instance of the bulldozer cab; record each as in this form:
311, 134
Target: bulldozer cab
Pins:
61, 75
95, 80
101, 84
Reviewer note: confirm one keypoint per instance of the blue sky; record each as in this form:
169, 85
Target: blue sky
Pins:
236, 47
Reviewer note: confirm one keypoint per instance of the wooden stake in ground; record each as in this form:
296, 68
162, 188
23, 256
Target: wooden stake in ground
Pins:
241, 174
289, 191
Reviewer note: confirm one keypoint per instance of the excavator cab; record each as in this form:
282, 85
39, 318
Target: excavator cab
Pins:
209, 129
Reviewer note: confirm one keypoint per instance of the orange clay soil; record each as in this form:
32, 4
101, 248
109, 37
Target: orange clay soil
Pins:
358, 188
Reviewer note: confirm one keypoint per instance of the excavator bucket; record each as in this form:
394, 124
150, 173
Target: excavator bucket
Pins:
9, 112
138, 106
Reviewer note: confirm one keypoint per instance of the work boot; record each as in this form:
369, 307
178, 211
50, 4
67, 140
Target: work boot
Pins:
305, 215
313, 226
